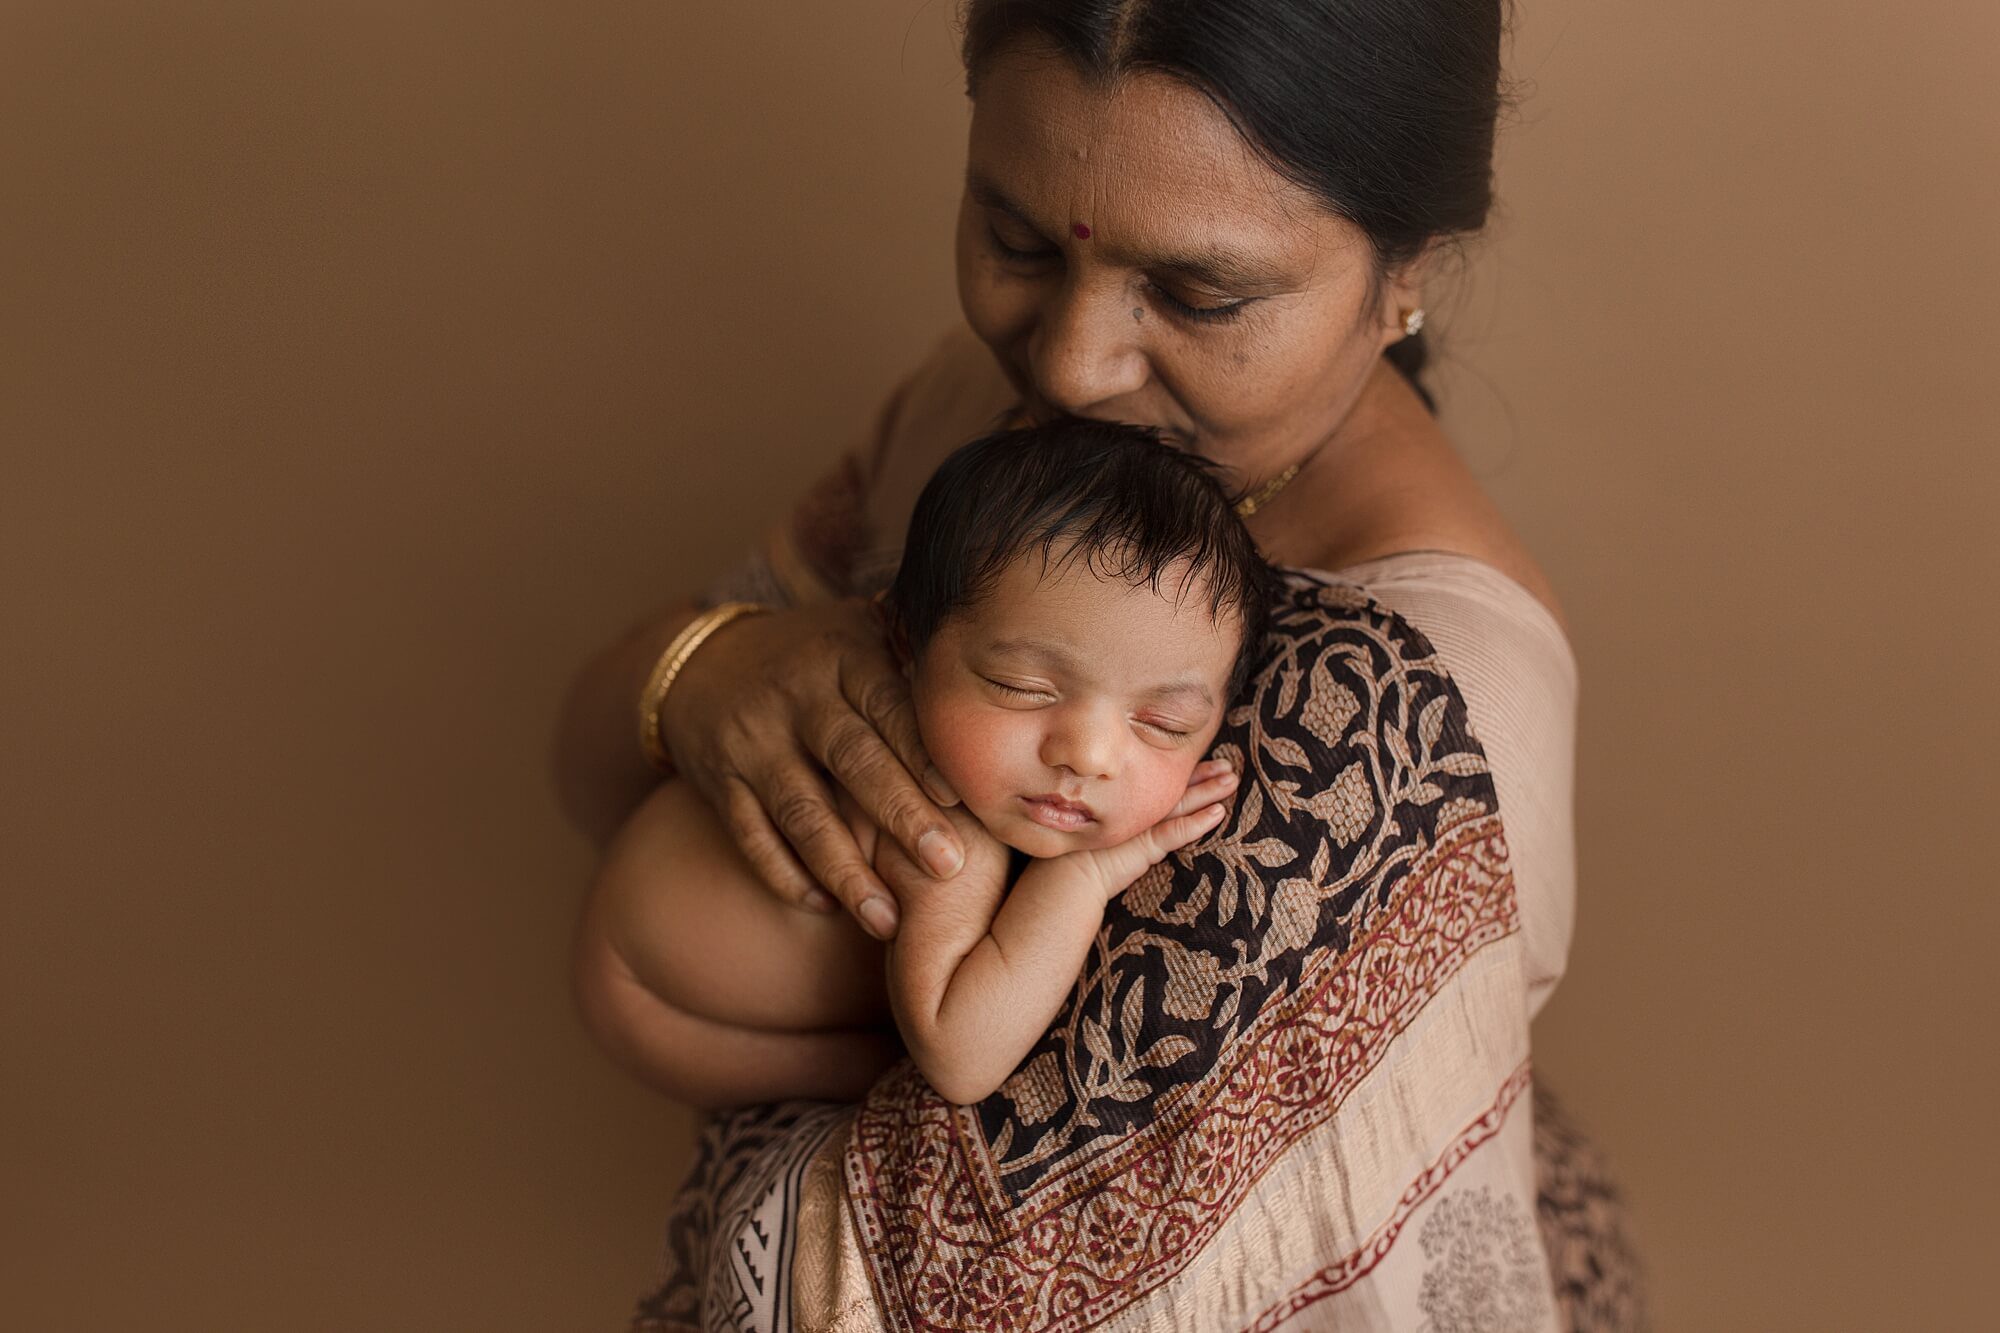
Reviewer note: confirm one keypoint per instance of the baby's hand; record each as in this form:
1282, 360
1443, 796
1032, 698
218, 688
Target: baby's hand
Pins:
1199, 811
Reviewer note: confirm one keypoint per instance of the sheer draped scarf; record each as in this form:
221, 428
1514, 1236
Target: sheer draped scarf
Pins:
1287, 1091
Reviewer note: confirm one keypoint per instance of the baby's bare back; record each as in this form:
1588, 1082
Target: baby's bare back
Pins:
704, 935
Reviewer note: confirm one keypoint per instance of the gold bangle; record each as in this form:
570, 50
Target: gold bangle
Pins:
653, 699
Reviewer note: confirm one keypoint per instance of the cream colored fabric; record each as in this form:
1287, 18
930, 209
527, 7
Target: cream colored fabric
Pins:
1337, 1236
1518, 676
1511, 662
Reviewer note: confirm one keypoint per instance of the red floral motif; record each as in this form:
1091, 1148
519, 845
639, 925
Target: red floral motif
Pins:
1297, 1062
1047, 1237
1113, 1231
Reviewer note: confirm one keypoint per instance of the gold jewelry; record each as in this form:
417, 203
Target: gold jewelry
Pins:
1413, 322
1264, 494
653, 699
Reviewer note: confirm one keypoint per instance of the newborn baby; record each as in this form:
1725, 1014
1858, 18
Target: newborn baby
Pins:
1076, 604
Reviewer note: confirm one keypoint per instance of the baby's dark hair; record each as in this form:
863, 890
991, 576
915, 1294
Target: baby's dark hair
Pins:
1116, 496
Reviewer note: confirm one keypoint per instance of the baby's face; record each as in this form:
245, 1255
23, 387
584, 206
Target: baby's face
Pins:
1068, 710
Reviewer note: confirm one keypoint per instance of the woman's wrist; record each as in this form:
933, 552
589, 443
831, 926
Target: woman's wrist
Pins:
669, 667
600, 775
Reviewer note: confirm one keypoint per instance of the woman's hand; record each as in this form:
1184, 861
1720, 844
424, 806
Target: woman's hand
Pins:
1198, 812
772, 706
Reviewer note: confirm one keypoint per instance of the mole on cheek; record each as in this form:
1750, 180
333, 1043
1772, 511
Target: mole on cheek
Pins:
1138, 314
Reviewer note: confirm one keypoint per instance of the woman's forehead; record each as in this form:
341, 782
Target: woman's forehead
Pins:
1147, 162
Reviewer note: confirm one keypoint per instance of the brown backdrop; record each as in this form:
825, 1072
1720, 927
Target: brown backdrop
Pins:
363, 366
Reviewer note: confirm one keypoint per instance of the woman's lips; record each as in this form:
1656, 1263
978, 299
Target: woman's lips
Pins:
1054, 812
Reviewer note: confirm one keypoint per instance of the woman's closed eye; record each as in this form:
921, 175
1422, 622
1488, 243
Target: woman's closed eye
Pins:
1019, 247
1200, 311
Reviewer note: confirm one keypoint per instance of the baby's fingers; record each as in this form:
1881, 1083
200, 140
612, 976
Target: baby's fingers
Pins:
1205, 790
1177, 831
1119, 866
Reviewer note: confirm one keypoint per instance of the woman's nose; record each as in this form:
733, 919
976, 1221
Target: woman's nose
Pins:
1085, 353
1083, 744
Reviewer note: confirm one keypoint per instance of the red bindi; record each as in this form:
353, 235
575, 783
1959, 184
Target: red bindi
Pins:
1082, 232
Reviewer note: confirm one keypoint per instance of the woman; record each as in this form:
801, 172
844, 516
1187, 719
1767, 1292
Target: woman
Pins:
1288, 1090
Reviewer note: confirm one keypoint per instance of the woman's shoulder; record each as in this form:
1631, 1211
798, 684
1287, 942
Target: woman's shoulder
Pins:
1477, 614
955, 394
1401, 490
1509, 660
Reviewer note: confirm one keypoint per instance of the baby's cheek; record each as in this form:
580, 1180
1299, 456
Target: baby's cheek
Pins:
1152, 795
970, 746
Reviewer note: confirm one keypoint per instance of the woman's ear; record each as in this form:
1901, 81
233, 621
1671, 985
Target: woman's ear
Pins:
1402, 295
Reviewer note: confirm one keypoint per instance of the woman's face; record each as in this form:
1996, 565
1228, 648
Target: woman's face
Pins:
1128, 257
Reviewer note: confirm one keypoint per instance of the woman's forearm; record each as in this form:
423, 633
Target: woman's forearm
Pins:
600, 773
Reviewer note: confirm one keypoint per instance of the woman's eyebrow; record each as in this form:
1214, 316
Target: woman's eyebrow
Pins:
985, 193
1220, 269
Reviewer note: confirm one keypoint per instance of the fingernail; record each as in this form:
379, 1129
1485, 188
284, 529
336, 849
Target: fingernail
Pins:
879, 917
940, 790
938, 855
1227, 778
819, 900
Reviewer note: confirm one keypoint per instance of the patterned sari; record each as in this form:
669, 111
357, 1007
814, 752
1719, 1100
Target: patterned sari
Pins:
1290, 1089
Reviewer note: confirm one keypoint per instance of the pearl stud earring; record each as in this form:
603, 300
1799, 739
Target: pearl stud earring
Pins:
1413, 322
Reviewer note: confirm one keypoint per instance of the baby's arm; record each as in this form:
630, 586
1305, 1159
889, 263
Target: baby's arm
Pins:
973, 980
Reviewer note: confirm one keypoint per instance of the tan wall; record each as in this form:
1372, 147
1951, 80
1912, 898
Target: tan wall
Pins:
362, 366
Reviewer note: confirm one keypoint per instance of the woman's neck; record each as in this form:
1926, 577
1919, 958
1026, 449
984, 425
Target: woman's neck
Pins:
1362, 487
1387, 482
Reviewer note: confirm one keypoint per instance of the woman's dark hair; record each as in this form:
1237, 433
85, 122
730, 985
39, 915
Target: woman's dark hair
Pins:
1384, 109
1113, 496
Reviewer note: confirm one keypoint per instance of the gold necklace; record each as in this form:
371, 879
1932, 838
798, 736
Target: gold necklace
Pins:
1264, 494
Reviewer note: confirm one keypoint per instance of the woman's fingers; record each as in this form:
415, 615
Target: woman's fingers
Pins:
858, 759
803, 811
879, 693
765, 848
754, 709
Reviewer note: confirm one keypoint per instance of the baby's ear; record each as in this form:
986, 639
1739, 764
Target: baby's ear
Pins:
892, 631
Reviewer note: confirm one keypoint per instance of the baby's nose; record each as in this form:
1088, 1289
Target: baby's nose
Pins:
1081, 747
